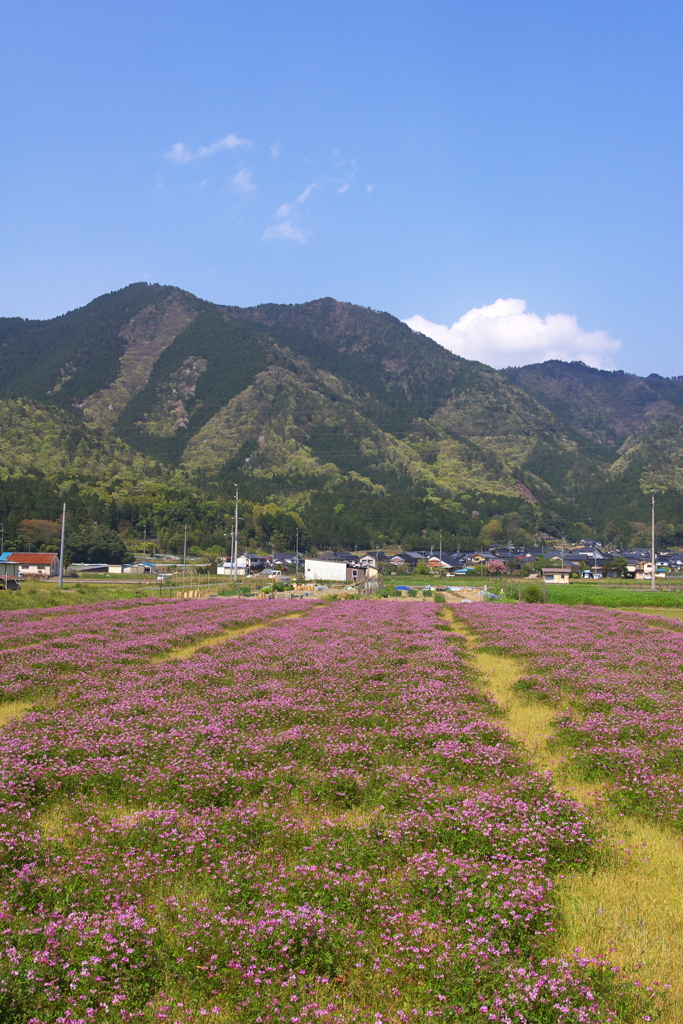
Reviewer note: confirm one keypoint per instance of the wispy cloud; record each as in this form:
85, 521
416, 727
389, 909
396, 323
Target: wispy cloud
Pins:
242, 181
307, 191
288, 212
346, 185
504, 334
275, 150
180, 154
369, 188
287, 230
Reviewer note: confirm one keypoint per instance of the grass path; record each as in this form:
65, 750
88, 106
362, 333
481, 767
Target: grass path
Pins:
668, 613
629, 906
12, 709
188, 650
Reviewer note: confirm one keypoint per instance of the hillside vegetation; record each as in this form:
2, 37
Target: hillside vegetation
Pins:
156, 403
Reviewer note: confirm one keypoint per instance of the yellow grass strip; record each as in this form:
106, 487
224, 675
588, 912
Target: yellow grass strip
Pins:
629, 908
12, 710
53, 821
668, 613
188, 650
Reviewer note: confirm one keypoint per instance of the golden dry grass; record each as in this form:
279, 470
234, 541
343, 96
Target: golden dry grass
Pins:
12, 710
54, 821
182, 653
629, 908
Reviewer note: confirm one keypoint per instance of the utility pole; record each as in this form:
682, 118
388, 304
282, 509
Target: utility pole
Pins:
3, 534
440, 555
61, 547
237, 503
184, 552
144, 542
232, 550
653, 552
297, 552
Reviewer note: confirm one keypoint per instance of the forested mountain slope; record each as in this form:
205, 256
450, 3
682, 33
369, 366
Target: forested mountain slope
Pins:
326, 405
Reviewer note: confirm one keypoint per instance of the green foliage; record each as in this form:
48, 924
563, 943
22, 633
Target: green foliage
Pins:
97, 544
334, 420
48, 595
604, 597
234, 353
39, 533
68, 358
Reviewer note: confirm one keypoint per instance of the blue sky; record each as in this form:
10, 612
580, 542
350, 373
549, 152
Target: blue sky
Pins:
425, 158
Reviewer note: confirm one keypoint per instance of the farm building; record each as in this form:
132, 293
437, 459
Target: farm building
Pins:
338, 571
38, 564
561, 574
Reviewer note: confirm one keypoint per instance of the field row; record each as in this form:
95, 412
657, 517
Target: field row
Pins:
326, 824
616, 680
43, 648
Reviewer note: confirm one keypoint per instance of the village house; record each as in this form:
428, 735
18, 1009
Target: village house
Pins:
640, 570
371, 565
34, 564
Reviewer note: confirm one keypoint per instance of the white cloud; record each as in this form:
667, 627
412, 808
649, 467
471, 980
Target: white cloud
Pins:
288, 230
369, 188
307, 191
242, 181
346, 185
504, 334
275, 150
288, 213
287, 209
180, 154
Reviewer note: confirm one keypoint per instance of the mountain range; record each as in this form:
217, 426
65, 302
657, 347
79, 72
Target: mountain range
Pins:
323, 404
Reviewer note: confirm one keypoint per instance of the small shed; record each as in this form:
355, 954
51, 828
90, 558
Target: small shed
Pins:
561, 574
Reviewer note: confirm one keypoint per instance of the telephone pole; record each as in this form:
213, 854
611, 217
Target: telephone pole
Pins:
3, 534
653, 552
184, 553
61, 547
297, 552
237, 503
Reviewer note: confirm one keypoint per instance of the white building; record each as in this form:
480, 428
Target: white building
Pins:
226, 569
561, 574
338, 572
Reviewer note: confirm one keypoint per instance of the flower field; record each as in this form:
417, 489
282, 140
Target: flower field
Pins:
320, 821
617, 680
43, 646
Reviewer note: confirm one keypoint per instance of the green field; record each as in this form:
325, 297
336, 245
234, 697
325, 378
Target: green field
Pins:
574, 595
40, 594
